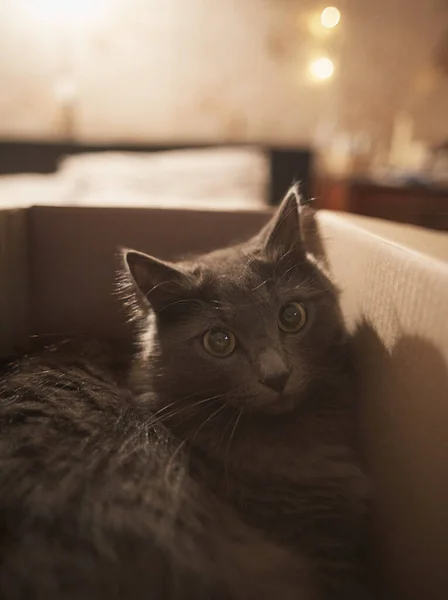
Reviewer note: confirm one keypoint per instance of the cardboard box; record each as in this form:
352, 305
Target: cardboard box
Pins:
57, 270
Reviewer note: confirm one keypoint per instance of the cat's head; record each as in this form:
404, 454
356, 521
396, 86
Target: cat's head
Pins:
253, 326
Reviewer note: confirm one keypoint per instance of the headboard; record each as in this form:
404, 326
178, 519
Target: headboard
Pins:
287, 164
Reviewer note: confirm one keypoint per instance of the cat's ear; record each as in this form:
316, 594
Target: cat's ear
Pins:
283, 234
157, 282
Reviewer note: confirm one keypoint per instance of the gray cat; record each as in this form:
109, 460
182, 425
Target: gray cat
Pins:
224, 467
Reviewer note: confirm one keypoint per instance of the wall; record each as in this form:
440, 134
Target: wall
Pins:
227, 70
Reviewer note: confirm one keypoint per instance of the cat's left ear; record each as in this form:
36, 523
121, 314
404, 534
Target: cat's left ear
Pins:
157, 282
283, 234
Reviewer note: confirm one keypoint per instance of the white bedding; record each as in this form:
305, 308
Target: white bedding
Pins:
215, 178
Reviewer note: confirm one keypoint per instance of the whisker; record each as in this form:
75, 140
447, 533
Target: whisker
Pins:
282, 257
179, 401
184, 301
261, 284
174, 413
170, 463
153, 289
289, 270
232, 435
207, 420
246, 266
225, 431
195, 414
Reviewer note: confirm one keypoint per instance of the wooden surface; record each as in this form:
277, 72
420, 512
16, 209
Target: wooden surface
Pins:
413, 204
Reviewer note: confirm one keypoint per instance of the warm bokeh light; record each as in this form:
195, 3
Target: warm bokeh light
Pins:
322, 68
330, 17
65, 90
71, 11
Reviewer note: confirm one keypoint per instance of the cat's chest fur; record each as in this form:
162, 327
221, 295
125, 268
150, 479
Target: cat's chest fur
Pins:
296, 480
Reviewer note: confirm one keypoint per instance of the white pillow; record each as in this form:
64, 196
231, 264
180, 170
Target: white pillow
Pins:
209, 177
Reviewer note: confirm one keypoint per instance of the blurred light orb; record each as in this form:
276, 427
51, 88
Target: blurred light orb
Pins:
330, 17
322, 68
78, 11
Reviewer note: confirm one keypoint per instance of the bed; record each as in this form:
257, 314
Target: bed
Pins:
199, 176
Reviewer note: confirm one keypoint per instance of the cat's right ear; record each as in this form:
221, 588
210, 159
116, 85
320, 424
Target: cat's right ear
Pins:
157, 282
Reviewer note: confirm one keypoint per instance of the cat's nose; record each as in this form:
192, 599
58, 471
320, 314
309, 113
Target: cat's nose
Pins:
274, 372
277, 380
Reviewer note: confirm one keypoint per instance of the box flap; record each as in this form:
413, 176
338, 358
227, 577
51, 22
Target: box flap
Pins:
14, 308
75, 258
395, 288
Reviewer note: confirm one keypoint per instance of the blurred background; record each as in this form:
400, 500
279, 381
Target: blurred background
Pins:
223, 103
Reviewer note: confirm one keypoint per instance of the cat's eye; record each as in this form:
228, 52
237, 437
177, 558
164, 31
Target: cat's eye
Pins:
292, 317
219, 342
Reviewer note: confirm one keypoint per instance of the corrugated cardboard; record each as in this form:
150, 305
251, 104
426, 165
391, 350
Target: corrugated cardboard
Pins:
74, 257
395, 289
394, 282
14, 278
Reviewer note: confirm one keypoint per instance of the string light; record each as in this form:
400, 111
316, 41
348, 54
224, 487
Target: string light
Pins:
330, 17
321, 69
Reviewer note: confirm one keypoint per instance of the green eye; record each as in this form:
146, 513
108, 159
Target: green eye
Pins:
292, 317
219, 342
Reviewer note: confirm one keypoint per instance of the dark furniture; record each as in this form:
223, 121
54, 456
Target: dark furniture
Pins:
426, 206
